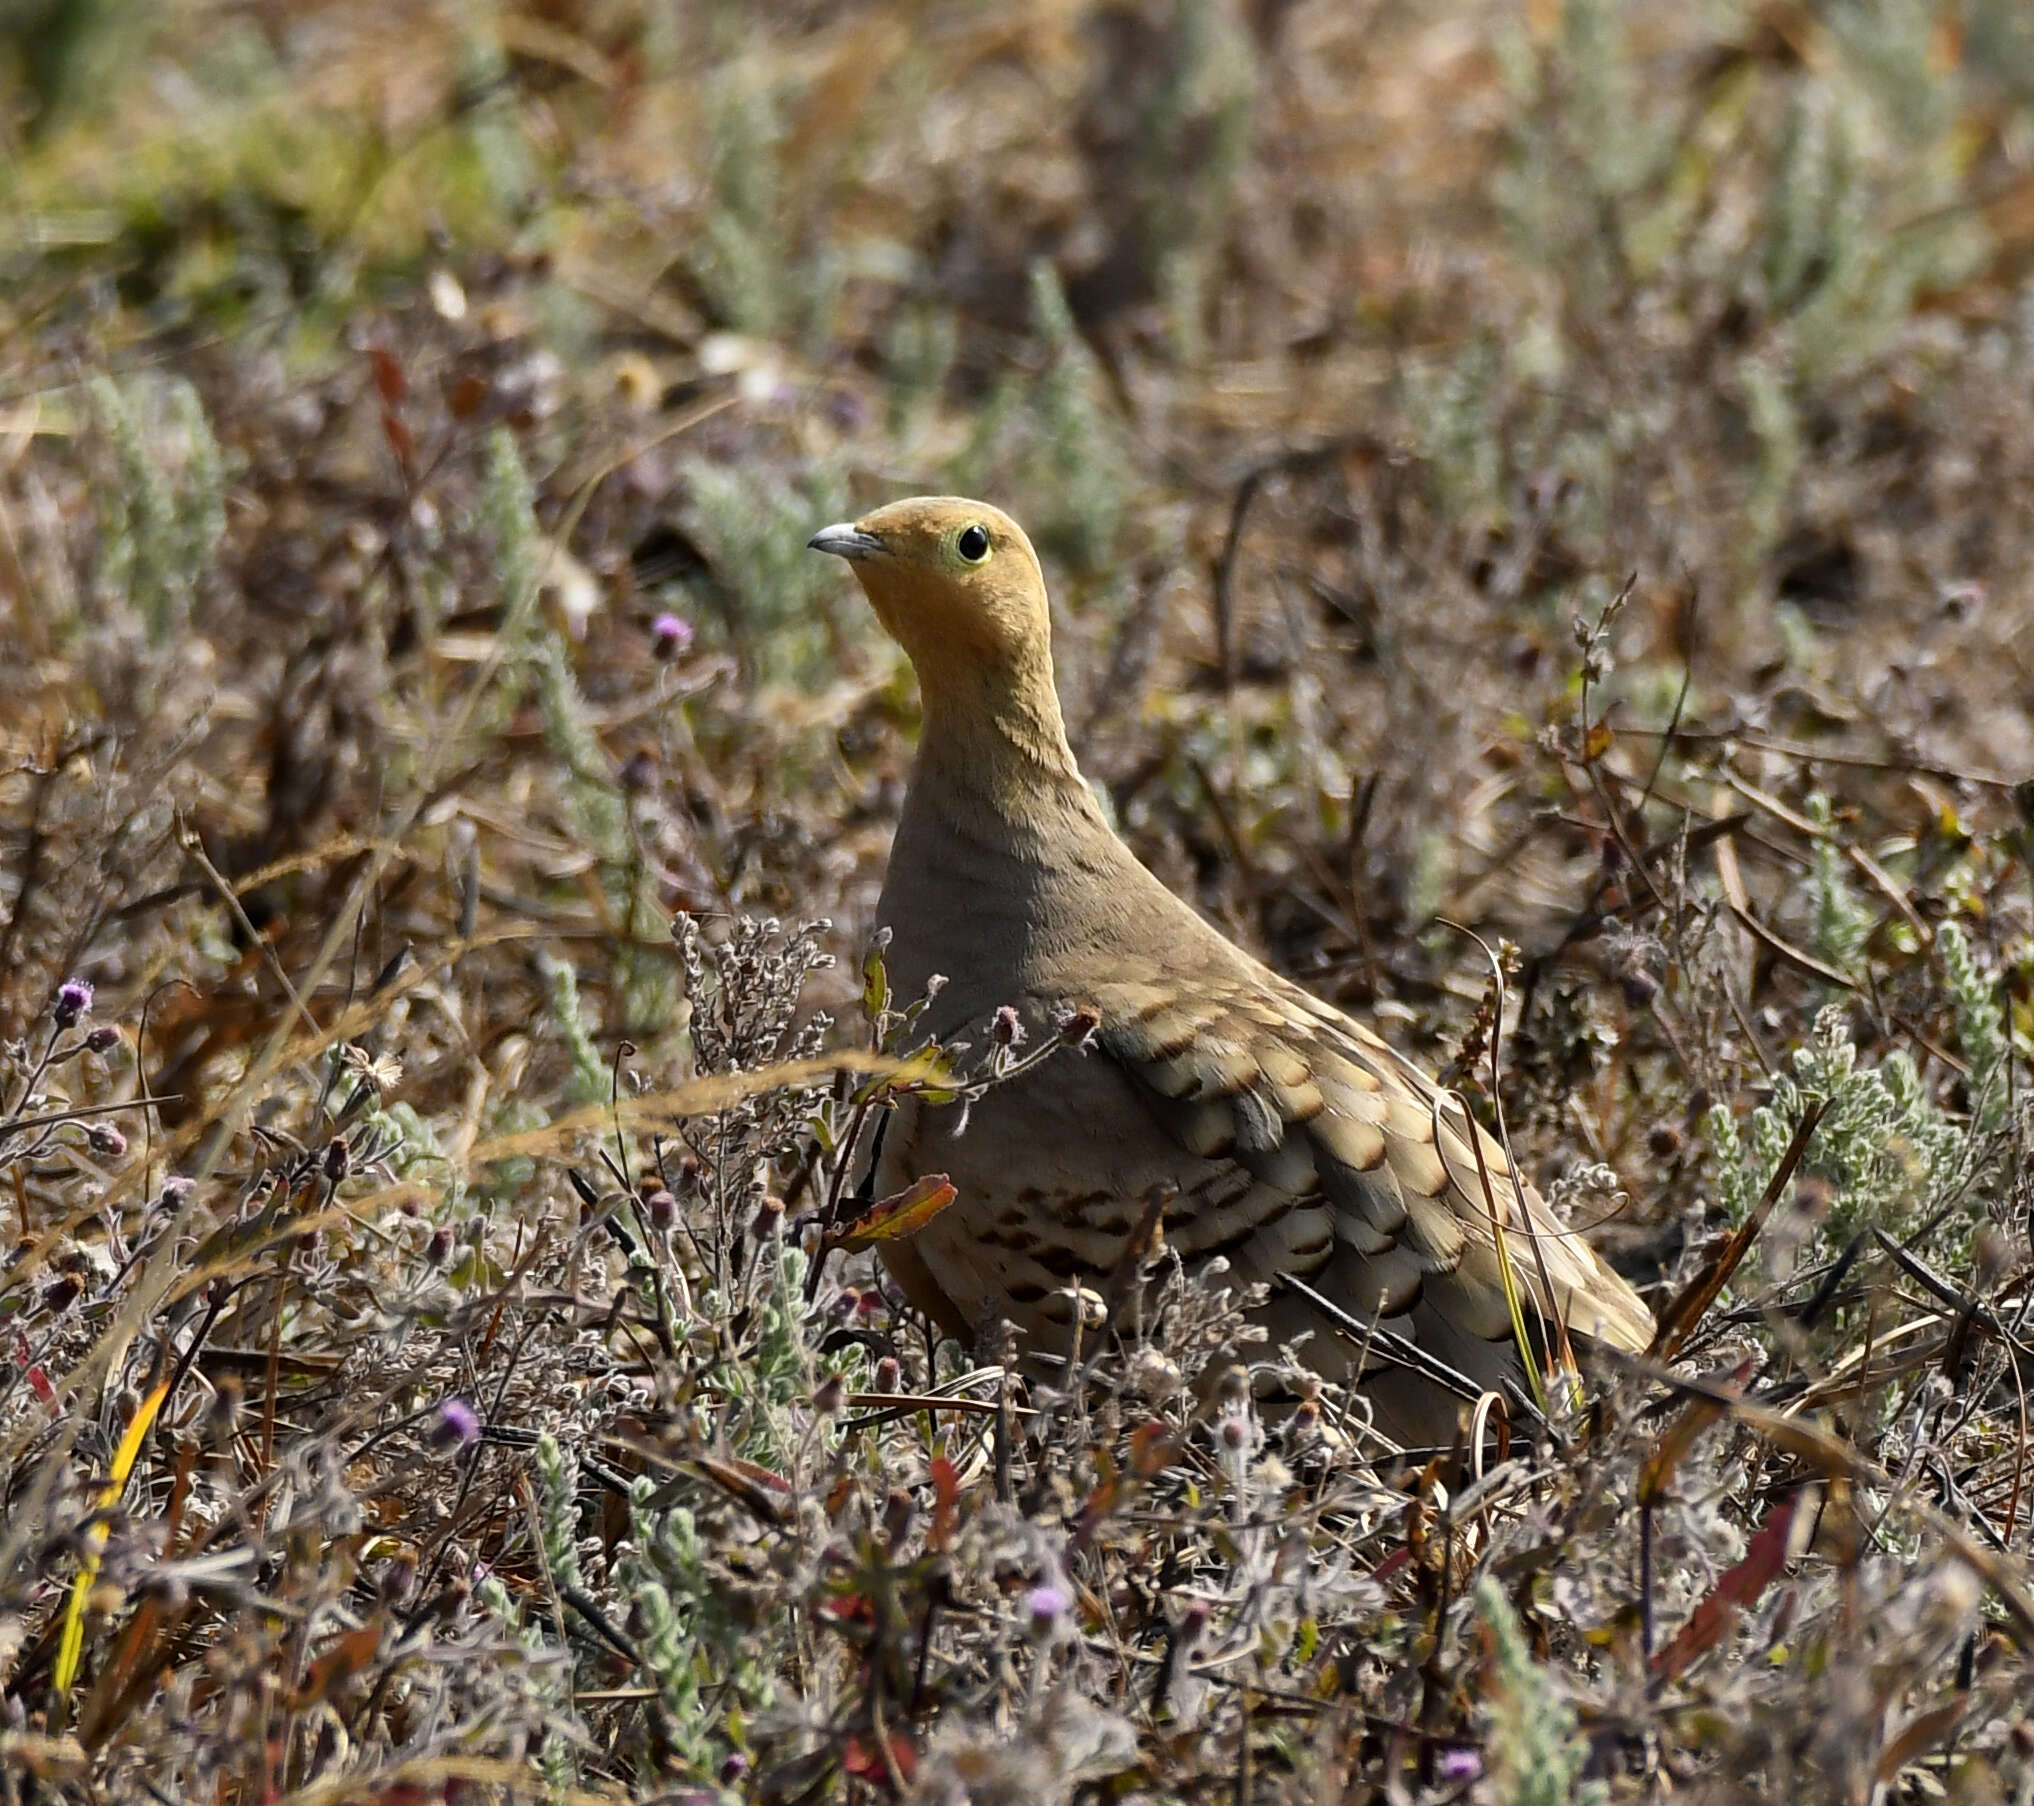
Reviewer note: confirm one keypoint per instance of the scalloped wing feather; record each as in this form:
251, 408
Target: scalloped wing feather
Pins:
1321, 1112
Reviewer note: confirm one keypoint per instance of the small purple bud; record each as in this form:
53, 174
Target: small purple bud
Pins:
1460, 1765
104, 1138
734, 1767
456, 1426
74, 998
338, 1159
1009, 1031
438, 1250
178, 1188
1044, 1608
670, 635
103, 1039
889, 1374
662, 1208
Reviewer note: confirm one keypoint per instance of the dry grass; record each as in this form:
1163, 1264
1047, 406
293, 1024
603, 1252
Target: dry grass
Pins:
1561, 472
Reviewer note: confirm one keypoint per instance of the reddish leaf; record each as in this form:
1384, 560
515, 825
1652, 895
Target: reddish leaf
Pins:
1923, 1733
762, 1476
755, 1487
1391, 1564
897, 1217
946, 1502
1152, 1449
1713, 1618
863, 1758
38, 1380
467, 395
399, 440
352, 1653
388, 375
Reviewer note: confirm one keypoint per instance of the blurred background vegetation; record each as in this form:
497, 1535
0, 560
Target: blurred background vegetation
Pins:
1564, 469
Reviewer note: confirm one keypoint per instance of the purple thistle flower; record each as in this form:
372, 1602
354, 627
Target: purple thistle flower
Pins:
670, 635
457, 1426
1044, 1608
73, 999
1461, 1765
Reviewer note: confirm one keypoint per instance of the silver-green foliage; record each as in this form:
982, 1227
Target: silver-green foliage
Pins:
787, 614
1580, 150
1536, 1752
537, 657
748, 260
1891, 1154
558, 1512
544, 1673
1840, 923
164, 518
590, 1081
740, 260
691, 1637
1453, 405
1980, 1025
1077, 457
1199, 119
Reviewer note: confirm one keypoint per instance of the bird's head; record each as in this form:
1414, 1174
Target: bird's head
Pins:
955, 583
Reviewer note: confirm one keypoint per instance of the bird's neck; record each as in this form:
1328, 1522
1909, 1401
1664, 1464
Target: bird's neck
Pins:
993, 759
1000, 837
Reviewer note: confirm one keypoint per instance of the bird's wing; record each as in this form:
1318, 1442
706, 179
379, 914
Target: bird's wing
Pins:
1400, 1184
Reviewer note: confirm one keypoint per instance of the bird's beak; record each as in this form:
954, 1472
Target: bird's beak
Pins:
845, 540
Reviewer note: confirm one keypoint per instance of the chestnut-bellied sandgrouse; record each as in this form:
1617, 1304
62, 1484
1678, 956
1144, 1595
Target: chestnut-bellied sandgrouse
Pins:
1285, 1134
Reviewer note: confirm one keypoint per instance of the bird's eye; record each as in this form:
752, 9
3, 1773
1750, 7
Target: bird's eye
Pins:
973, 543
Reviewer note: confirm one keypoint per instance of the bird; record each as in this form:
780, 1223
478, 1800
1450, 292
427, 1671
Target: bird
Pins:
1258, 1121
